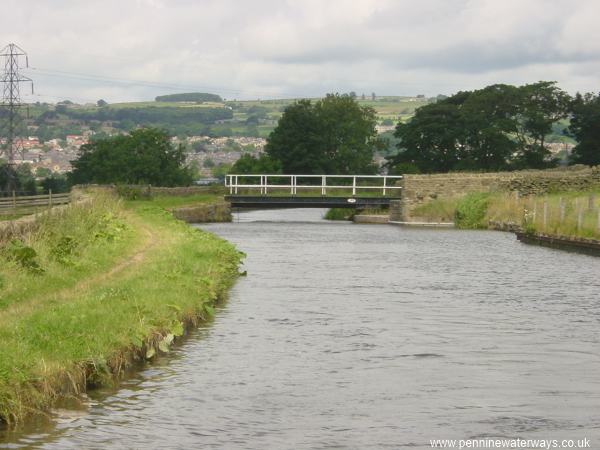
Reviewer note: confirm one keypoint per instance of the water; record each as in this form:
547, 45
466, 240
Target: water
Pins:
365, 336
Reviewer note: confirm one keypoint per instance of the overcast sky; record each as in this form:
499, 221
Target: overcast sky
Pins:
123, 50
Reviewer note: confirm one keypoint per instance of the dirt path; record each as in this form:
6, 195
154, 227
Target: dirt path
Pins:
150, 241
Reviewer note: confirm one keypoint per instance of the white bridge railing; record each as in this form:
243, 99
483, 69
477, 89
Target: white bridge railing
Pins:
384, 183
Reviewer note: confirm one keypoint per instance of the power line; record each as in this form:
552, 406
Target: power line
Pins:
11, 103
156, 84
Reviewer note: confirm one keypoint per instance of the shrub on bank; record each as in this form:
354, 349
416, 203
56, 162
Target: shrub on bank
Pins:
339, 214
471, 211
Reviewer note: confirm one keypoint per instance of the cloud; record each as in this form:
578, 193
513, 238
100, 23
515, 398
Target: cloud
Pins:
270, 48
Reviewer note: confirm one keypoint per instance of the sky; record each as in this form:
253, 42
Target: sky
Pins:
133, 50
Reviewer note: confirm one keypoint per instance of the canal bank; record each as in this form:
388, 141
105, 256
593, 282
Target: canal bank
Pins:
357, 336
93, 289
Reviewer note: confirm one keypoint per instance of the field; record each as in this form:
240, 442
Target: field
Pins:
256, 118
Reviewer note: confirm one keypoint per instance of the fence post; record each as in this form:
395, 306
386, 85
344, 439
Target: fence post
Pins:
14, 199
579, 218
50, 198
353, 186
323, 185
561, 209
384, 183
545, 212
591, 202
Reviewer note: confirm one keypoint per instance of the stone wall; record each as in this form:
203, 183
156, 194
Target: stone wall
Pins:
418, 189
216, 212
147, 190
185, 191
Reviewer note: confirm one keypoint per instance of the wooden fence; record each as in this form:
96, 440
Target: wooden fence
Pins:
30, 204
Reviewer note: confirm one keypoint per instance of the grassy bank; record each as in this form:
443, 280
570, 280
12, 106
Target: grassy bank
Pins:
571, 214
349, 213
96, 288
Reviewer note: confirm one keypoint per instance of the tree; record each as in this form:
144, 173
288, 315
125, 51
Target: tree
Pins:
433, 140
55, 183
499, 127
42, 172
585, 128
488, 116
249, 164
145, 156
101, 103
335, 135
542, 104
21, 176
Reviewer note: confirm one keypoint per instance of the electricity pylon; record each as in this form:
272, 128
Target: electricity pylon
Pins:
9, 107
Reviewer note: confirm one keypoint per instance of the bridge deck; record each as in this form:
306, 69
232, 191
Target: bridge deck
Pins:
254, 201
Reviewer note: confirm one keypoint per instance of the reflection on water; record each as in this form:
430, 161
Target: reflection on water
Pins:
358, 336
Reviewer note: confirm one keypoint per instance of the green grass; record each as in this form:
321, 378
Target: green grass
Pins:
128, 280
436, 210
5, 217
579, 216
349, 213
471, 211
528, 212
339, 214
168, 201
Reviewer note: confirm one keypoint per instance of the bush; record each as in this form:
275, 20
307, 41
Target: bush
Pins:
134, 192
23, 255
470, 211
339, 214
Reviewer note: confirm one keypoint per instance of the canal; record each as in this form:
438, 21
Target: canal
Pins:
360, 337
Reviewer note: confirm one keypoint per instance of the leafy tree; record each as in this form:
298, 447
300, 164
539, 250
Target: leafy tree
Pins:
488, 117
542, 104
433, 140
42, 172
221, 170
249, 164
585, 128
252, 120
55, 183
335, 135
495, 128
145, 156
20, 177
101, 103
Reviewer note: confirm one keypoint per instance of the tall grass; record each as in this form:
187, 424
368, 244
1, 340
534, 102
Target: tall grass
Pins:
471, 211
436, 210
570, 214
115, 284
66, 246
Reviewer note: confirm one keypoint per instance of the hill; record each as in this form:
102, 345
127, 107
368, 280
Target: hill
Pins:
197, 97
186, 115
